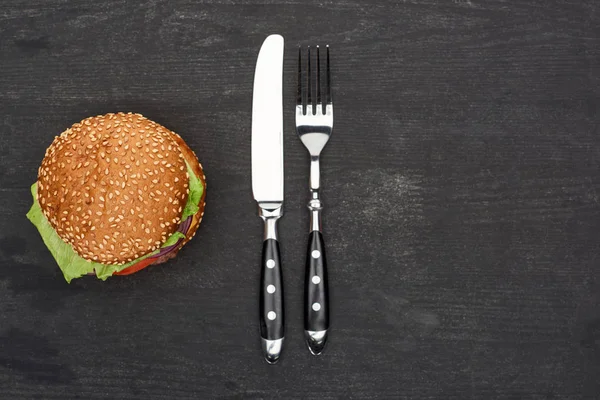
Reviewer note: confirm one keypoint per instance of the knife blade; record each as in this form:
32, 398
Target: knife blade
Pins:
267, 187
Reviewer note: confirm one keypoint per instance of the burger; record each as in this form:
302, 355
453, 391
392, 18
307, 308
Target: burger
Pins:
117, 193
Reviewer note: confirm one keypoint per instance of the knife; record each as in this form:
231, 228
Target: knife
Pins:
267, 187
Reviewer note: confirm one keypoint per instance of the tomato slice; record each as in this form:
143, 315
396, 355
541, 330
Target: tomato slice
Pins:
136, 267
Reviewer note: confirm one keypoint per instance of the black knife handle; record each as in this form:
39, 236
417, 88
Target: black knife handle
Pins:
316, 294
271, 297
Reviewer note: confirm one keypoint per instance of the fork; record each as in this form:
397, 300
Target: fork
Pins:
314, 124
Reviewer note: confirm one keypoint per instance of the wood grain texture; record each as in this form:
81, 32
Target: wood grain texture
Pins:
461, 188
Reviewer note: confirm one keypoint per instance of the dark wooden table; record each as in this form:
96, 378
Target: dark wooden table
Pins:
461, 184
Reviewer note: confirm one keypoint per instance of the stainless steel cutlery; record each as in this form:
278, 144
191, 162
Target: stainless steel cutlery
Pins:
314, 124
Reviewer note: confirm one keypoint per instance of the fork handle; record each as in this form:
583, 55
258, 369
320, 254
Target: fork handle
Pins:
316, 294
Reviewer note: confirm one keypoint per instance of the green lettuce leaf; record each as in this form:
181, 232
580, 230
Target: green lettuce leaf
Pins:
196, 190
72, 265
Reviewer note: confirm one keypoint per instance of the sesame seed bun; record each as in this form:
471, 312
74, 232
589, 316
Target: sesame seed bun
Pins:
114, 187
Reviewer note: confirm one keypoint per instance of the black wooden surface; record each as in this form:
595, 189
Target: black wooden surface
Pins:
461, 188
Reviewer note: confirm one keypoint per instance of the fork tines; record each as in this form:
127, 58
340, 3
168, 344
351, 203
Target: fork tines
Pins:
309, 91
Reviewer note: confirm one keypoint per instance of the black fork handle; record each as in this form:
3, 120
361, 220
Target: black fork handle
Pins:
316, 295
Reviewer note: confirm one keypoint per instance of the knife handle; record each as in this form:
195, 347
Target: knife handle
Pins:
316, 294
271, 295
